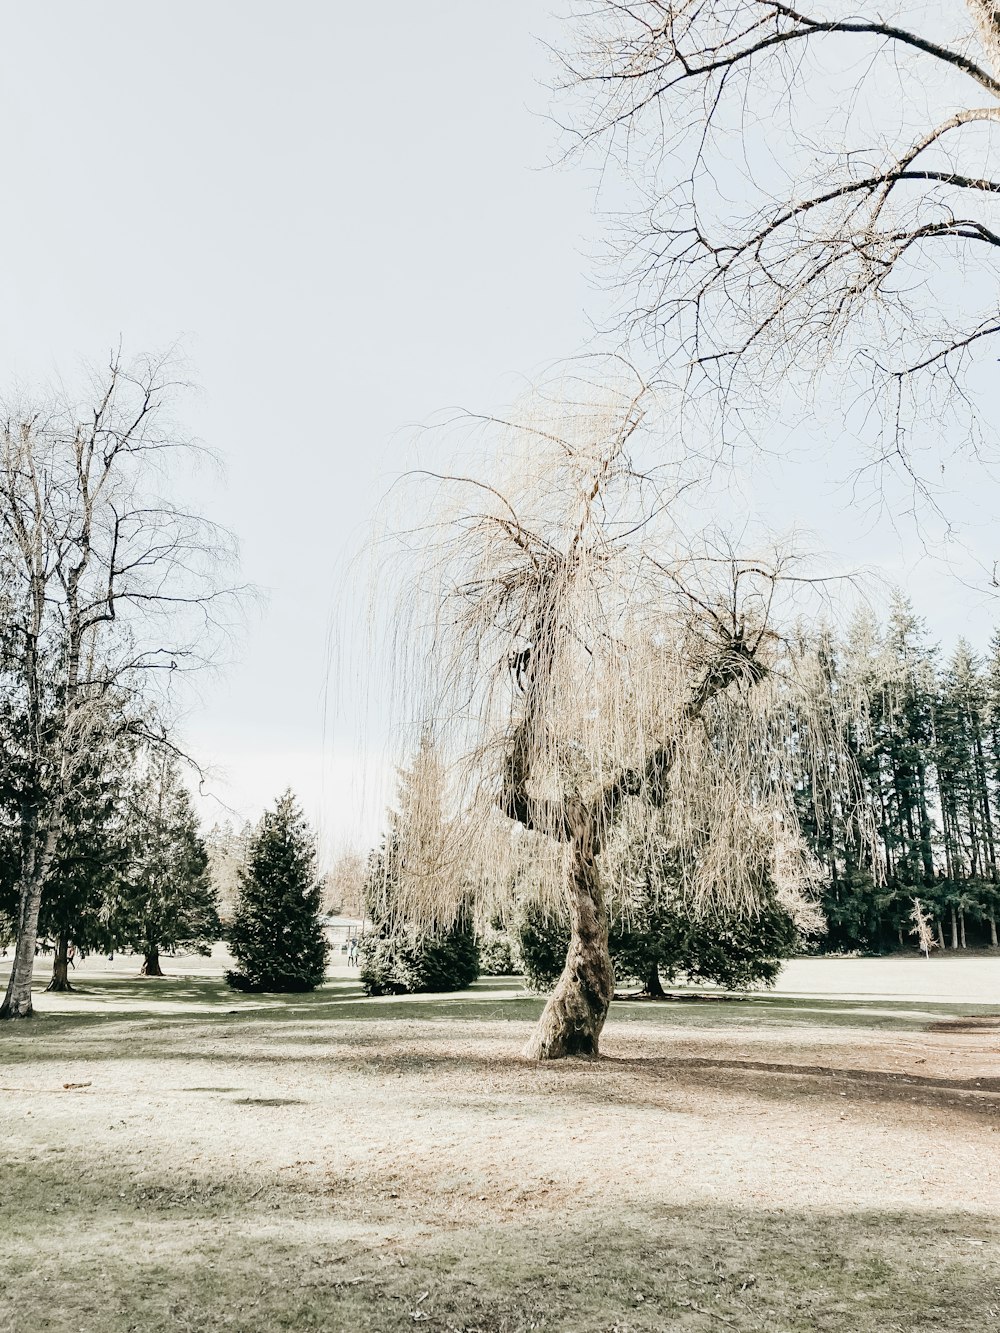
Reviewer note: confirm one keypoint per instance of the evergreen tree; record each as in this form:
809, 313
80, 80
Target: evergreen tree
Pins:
165, 900
928, 756
400, 957
90, 854
92, 860
909, 707
661, 938
276, 938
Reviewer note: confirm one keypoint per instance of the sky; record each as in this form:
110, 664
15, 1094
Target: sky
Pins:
346, 217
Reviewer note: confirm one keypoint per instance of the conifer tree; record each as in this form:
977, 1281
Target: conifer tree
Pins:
276, 938
165, 899
92, 859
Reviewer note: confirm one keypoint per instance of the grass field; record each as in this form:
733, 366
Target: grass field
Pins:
827, 1158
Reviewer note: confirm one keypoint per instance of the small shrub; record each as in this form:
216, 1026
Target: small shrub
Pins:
406, 961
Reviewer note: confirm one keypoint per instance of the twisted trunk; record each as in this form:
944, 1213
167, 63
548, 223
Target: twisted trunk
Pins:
574, 1016
572, 1020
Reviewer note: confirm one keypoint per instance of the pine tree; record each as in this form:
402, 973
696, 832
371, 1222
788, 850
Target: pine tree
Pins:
166, 899
276, 938
92, 858
967, 807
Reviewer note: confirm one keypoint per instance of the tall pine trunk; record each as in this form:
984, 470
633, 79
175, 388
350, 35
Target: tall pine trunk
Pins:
572, 1020
60, 964
954, 929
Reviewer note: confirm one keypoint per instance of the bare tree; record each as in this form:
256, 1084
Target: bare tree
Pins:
344, 884
112, 591
820, 204
581, 654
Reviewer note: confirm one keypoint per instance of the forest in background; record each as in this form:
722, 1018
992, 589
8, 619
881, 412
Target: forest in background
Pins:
928, 766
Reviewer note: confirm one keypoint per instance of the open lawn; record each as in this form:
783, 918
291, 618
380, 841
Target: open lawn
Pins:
175, 1156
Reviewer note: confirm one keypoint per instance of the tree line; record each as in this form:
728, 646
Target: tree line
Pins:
926, 742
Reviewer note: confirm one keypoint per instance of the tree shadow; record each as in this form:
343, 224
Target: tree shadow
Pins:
257, 1255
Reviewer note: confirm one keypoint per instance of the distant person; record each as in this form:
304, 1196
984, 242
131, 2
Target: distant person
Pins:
70, 956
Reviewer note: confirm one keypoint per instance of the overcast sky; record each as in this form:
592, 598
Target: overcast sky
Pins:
345, 214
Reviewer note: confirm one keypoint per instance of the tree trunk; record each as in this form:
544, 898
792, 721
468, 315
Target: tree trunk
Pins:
954, 929
574, 1016
17, 1001
60, 965
993, 930
940, 934
653, 987
961, 927
151, 964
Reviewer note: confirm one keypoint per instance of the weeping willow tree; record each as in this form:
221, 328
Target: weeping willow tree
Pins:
584, 659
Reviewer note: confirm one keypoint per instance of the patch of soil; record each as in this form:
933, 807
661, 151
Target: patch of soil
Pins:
967, 1024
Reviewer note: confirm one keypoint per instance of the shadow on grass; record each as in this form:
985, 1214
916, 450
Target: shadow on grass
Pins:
254, 1052
209, 999
160, 1003
242, 1262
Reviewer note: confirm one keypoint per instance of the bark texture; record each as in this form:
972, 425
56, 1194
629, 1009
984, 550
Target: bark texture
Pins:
17, 1001
572, 1021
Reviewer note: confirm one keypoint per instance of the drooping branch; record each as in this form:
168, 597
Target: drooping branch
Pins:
736, 662
590, 821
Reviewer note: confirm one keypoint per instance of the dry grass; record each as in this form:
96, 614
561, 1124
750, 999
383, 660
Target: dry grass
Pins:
327, 1162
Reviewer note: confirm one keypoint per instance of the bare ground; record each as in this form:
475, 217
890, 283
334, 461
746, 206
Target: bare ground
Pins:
175, 1157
